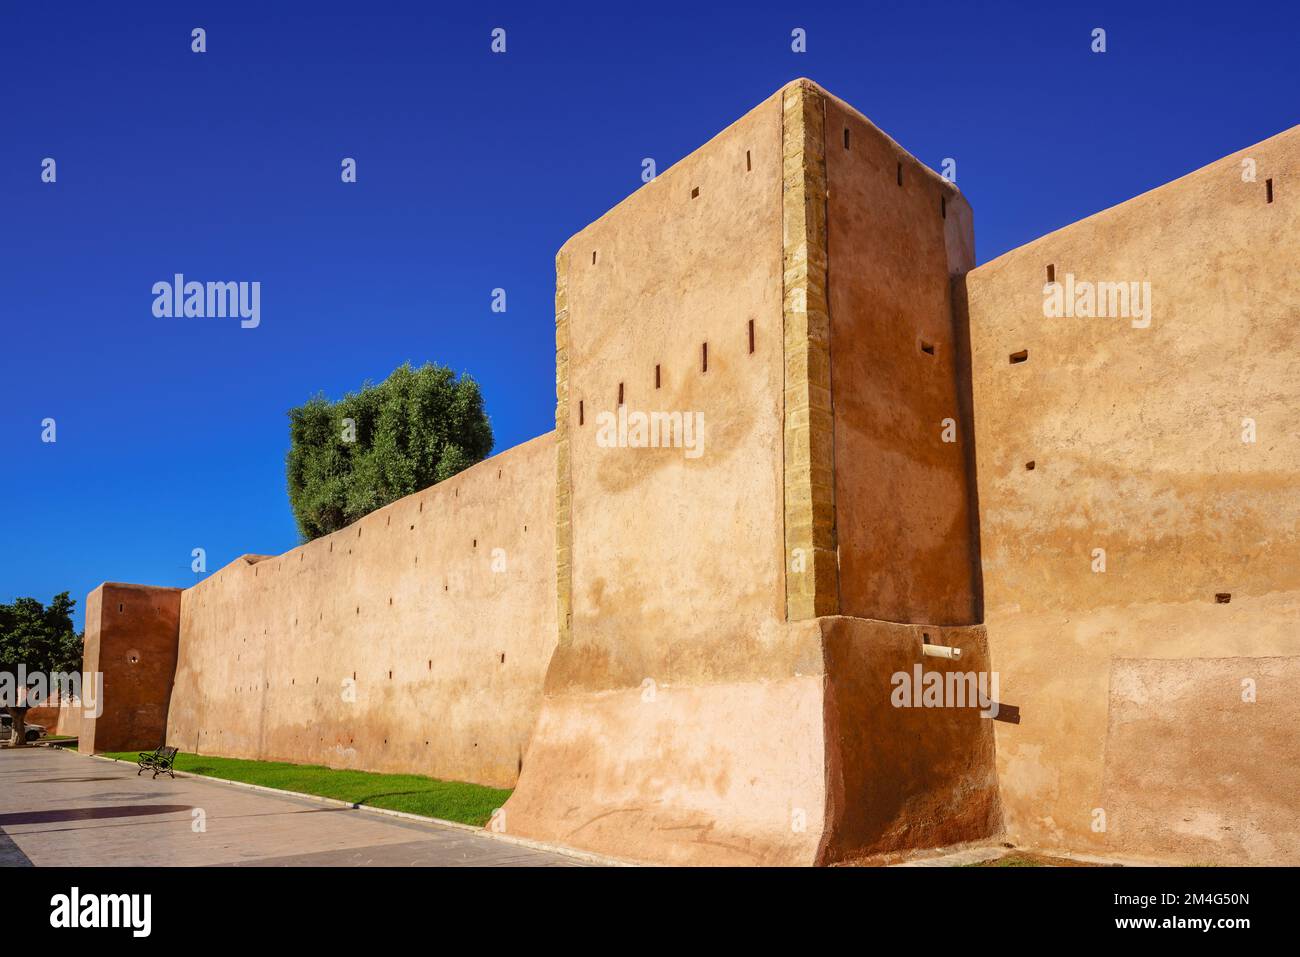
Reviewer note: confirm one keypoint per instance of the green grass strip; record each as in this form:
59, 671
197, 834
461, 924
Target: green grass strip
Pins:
412, 793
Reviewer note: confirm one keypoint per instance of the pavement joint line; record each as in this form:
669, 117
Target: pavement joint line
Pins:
560, 849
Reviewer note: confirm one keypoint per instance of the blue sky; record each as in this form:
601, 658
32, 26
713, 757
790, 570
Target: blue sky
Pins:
473, 169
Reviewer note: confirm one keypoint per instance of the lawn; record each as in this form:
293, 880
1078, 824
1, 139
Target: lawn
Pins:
449, 800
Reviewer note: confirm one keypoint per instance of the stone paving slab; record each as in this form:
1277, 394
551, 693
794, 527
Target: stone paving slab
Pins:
60, 808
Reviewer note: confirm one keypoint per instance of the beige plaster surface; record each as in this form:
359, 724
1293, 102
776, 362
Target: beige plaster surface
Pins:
413, 640
1136, 435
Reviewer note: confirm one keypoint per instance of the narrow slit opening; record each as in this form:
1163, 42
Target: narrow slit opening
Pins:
943, 206
900, 174
1051, 272
846, 137
749, 165
704, 357
695, 193
1017, 357
656, 376
751, 337
1268, 188
620, 393
581, 418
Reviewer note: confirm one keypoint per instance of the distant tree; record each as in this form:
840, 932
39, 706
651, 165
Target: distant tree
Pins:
41, 639
372, 447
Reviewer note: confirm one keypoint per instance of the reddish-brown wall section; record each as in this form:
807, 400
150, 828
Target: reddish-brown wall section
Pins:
898, 232
415, 639
131, 636
61, 719
902, 773
1136, 435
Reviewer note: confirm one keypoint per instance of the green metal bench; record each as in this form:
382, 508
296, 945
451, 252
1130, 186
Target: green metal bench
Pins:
159, 761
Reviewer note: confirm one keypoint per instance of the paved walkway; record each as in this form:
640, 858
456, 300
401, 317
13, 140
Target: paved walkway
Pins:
62, 808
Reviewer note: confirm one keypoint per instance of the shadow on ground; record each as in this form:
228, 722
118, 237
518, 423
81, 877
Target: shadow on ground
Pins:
88, 813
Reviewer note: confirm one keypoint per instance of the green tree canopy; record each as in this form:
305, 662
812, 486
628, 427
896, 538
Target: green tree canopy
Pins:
372, 447
38, 636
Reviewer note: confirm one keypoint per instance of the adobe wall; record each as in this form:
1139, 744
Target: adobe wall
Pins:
687, 714
651, 597
903, 774
655, 740
131, 638
1133, 683
63, 718
413, 640
692, 659
897, 233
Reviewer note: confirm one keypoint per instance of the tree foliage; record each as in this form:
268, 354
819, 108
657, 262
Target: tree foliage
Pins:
372, 447
38, 636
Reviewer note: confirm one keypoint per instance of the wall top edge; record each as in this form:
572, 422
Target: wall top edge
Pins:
1127, 206
445, 487
777, 98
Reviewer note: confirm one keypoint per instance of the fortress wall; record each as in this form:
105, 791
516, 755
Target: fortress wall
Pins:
448, 655
706, 700
897, 233
899, 778
683, 718
61, 719
131, 638
686, 720
725, 773
676, 560
1129, 682
904, 774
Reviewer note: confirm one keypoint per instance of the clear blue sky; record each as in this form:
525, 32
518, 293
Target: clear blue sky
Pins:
473, 169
